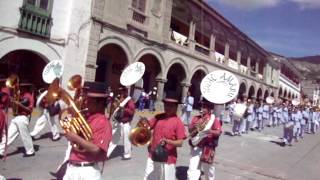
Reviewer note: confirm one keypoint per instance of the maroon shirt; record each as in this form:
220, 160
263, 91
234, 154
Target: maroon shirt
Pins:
129, 110
3, 123
30, 99
216, 126
170, 128
4, 99
101, 136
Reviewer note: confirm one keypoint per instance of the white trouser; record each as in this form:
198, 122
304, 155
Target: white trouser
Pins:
18, 125
41, 124
159, 171
243, 125
85, 172
195, 165
124, 130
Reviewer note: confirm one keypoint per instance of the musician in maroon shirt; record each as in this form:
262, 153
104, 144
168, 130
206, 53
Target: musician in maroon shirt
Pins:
203, 150
123, 123
19, 124
168, 134
83, 162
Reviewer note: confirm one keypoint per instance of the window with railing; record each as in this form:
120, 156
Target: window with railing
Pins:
36, 17
138, 11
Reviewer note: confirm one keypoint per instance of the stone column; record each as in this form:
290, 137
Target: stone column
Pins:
239, 59
212, 47
185, 88
192, 30
160, 90
160, 86
97, 14
257, 66
248, 65
226, 53
167, 11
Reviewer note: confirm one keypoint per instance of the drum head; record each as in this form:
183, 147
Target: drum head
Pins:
219, 87
132, 74
53, 70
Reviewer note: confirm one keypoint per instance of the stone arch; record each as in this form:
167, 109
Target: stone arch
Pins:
242, 90
155, 53
280, 92
200, 67
45, 51
197, 76
285, 94
266, 94
111, 61
251, 93
26, 64
153, 70
176, 76
272, 94
259, 94
120, 42
180, 61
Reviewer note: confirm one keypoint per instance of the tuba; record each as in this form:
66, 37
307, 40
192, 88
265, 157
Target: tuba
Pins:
75, 123
13, 83
129, 76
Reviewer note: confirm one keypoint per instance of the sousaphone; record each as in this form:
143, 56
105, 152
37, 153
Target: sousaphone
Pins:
218, 87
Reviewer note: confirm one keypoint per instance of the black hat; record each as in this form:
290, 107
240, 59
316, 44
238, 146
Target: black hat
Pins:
95, 89
205, 103
171, 97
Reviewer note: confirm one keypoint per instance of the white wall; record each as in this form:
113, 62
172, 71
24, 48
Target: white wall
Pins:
289, 86
69, 38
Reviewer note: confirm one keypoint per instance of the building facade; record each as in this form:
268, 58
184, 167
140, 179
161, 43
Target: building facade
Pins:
290, 79
179, 42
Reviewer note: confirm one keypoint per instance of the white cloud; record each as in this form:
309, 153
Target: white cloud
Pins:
308, 4
250, 4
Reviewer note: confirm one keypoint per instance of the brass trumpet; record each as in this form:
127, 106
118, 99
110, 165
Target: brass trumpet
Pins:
141, 134
75, 122
12, 82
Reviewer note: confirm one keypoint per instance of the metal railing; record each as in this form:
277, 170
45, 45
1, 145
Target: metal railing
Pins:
34, 23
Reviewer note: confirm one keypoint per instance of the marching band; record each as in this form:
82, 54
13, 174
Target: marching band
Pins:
92, 136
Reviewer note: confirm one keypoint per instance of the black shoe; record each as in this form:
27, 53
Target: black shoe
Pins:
33, 138
1, 156
54, 174
29, 155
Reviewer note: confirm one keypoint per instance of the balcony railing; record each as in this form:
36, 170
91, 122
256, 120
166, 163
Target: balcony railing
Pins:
34, 23
219, 57
138, 16
202, 49
233, 64
243, 69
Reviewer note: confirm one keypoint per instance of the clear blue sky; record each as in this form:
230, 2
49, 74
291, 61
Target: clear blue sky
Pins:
287, 27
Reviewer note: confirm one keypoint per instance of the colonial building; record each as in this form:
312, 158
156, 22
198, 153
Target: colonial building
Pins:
290, 79
179, 41
35, 32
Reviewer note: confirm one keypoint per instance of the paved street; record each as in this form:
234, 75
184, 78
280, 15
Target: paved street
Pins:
252, 156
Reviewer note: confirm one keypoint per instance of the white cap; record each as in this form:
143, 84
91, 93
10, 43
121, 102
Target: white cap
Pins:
155, 88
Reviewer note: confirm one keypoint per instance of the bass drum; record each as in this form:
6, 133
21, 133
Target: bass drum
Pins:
239, 111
